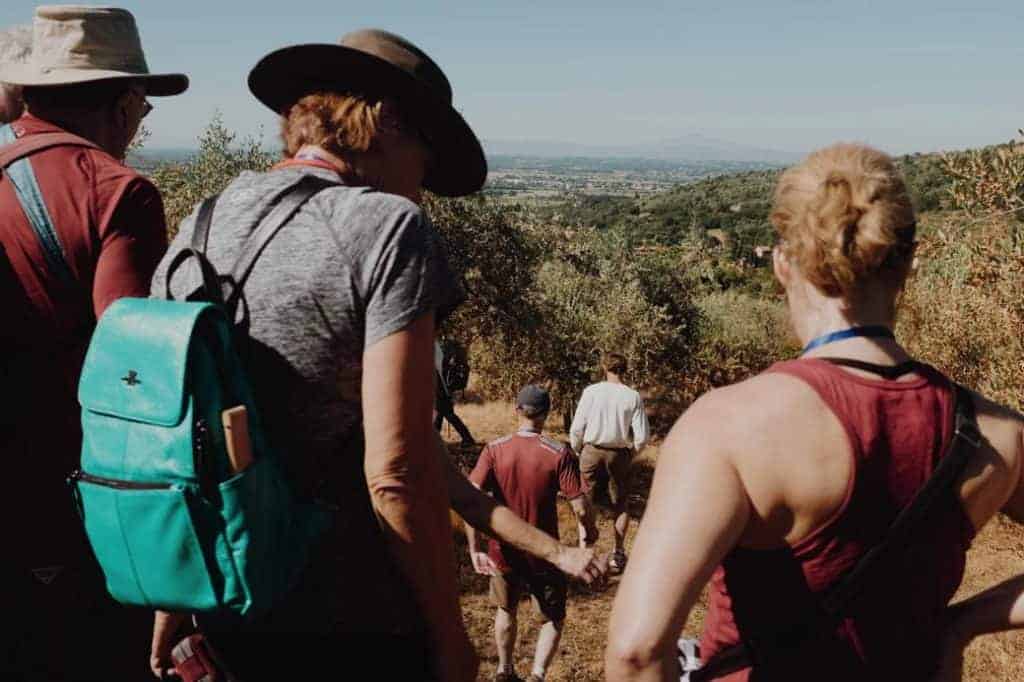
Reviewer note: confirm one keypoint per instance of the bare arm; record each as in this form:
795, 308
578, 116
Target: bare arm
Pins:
482, 512
1001, 607
166, 626
407, 484
684, 534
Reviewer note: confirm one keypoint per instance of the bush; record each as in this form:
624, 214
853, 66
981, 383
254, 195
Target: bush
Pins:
989, 180
218, 162
963, 310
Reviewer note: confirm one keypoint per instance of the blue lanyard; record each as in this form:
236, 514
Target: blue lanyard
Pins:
874, 331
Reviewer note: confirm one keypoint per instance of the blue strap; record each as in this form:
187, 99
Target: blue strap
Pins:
26, 188
870, 331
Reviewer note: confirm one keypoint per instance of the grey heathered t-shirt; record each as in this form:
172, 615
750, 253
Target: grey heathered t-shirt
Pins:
352, 267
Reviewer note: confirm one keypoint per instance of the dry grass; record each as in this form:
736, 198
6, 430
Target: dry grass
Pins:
998, 553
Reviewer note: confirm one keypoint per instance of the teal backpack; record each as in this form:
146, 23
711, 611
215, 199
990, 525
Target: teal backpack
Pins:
172, 525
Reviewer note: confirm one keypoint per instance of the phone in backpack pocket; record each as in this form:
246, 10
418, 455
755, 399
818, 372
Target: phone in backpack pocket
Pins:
236, 437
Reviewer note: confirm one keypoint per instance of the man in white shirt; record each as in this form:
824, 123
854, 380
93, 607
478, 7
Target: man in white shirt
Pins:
610, 425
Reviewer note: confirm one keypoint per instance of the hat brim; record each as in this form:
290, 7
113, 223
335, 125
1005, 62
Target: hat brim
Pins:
156, 84
284, 76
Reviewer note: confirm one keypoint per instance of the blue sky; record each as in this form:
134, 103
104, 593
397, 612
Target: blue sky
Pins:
905, 76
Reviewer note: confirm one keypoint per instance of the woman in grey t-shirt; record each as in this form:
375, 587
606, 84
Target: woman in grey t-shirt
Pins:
343, 304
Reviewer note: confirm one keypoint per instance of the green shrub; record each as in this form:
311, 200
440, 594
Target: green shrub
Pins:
217, 163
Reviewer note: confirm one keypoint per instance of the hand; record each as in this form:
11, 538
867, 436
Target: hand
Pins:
165, 630
483, 564
582, 563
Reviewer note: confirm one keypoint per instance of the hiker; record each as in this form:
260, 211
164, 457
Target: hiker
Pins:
608, 430
527, 470
775, 487
342, 309
96, 233
446, 369
15, 48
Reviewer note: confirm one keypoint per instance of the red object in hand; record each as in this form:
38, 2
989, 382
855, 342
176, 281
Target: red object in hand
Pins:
194, 661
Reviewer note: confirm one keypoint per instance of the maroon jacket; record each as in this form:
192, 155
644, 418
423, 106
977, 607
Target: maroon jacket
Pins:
111, 226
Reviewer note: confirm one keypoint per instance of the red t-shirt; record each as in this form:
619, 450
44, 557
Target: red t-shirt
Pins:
526, 471
111, 227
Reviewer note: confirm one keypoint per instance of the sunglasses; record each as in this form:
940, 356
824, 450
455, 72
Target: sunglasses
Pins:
146, 108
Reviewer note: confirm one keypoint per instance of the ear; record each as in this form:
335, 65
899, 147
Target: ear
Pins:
781, 266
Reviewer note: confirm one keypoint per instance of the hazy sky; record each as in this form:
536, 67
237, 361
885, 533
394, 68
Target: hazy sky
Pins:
904, 75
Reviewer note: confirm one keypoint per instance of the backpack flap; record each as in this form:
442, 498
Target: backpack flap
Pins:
135, 372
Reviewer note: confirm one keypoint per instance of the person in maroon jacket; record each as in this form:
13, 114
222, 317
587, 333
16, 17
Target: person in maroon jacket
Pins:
101, 237
775, 487
526, 471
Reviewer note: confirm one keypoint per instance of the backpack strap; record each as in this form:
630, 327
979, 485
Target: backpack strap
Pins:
837, 599
211, 288
279, 216
14, 163
227, 291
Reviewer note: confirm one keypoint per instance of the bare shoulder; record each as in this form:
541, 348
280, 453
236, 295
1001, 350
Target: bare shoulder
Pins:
765, 402
992, 481
1001, 421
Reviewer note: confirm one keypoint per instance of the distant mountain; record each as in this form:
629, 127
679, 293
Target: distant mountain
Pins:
691, 147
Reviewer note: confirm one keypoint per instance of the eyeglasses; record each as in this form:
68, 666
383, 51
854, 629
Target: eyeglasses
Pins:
146, 108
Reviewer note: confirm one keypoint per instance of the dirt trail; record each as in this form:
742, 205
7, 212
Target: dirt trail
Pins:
997, 554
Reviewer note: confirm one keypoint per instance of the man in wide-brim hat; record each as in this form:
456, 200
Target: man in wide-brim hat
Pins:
78, 230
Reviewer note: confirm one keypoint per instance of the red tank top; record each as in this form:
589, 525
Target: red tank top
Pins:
897, 431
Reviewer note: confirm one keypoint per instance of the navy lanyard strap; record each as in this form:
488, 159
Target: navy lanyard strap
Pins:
870, 331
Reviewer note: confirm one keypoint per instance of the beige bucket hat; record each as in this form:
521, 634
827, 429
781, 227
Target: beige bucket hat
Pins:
78, 44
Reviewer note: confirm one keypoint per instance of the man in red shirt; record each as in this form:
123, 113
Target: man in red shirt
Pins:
526, 471
78, 229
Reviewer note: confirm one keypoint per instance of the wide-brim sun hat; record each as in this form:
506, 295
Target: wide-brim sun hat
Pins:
372, 62
80, 44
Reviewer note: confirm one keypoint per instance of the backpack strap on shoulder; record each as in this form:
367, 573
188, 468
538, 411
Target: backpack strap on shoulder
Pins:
290, 203
211, 289
966, 440
14, 163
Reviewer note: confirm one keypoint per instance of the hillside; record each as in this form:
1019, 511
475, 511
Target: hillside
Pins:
738, 204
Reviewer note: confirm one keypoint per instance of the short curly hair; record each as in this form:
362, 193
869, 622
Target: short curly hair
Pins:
844, 216
339, 123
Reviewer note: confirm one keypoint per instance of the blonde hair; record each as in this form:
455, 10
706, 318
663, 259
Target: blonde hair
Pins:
340, 123
844, 217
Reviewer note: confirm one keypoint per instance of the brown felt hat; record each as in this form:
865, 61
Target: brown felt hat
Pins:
79, 44
377, 63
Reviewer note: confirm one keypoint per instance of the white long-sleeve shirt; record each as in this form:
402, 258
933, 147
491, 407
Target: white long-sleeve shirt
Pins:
610, 416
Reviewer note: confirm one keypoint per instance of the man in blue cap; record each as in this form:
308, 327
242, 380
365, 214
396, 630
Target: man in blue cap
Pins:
526, 471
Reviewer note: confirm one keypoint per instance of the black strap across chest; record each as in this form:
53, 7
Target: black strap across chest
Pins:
885, 371
835, 602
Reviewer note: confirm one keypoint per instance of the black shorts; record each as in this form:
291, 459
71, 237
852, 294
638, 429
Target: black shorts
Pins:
547, 590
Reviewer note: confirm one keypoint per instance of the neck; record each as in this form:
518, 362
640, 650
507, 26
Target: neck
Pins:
815, 314
343, 167
530, 425
612, 378
86, 125
821, 315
